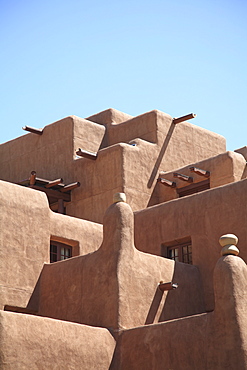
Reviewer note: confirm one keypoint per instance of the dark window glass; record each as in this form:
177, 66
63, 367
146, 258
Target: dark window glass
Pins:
59, 251
180, 253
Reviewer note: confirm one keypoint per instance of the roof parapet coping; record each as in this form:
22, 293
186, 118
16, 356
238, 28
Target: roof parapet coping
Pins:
119, 197
229, 242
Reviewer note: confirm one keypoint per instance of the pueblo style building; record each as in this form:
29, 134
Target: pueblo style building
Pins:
109, 246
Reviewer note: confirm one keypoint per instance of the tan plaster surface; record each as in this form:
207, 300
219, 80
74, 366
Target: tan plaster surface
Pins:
24, 244
119, 167
27, 225
203, 217
51, 154
215, 340
88, 235
117, 286
31, 342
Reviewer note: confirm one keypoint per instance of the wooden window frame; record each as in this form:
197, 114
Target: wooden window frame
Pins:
180, 256
59, 246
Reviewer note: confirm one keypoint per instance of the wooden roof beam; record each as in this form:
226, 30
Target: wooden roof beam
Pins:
183, 177
70, 187
200, 172
38, 131
53, 183
84, 153
167, 286
169, 183
57, 194
183, 118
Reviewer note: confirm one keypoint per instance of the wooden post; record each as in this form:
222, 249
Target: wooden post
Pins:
32, 179
61, 208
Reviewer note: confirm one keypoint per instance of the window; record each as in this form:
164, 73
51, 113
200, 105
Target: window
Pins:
59, 251
180, 252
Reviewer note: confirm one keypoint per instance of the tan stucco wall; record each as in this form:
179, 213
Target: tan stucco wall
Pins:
31, 342
203, 217
51, 154
120, 167
208, 341
224, 168
27, 225
24, 241
117, 286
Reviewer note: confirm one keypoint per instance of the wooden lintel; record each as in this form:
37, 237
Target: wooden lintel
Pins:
183, 177
38, 131
84, 153
70, 187
196, 187
200, 171
166, 182
53, 183
167, 286
57, 194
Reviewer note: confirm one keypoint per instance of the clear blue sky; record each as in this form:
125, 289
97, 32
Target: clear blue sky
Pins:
80, 57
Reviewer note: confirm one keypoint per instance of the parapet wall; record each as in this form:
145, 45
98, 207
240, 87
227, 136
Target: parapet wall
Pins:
31, 342
202, 218
215, 340
27, 225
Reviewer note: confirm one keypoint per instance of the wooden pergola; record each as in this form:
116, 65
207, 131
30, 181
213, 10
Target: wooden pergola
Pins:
57, 192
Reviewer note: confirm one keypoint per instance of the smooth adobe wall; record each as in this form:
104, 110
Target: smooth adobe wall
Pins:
50, 154
134, 167
24, 241
129, 167
31, 342
156, 127
100, 180
84, 236
202, 217
117, 286
215, 340
27, 225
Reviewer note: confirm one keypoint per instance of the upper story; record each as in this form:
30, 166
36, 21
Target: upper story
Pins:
81, 163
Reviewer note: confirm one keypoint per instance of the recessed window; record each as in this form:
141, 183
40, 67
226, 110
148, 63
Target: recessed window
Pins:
178, 251
59, 251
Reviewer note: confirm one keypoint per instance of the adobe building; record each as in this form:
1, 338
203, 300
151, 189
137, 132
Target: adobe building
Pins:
123, 246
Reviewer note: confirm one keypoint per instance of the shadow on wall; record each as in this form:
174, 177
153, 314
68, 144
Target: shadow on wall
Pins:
154, 306
189, 294
185, 301
160, 156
